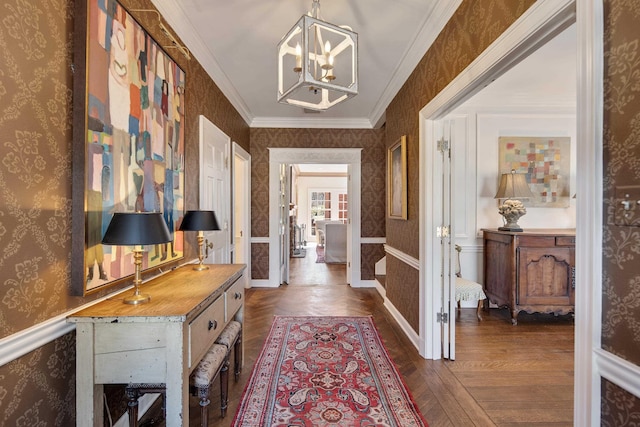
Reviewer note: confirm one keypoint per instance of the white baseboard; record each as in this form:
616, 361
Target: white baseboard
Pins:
406, 328
381, 290
365, 284
261, 283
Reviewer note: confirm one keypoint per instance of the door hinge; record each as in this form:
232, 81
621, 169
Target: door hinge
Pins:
442, 317
442, 231
443, 145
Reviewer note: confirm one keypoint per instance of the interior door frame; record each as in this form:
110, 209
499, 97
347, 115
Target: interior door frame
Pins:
541, 22
289, 156
206, 128
241, 188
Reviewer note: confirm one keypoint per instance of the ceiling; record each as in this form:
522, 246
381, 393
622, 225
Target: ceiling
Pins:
545, 80
235, 41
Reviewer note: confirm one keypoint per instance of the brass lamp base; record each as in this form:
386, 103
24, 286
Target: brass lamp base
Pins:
201, 267
137, 299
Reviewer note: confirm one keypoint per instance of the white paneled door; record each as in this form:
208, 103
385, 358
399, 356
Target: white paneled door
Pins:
215, 189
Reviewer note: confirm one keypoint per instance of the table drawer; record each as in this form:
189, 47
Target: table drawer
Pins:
565, 240
234, 298
204, 330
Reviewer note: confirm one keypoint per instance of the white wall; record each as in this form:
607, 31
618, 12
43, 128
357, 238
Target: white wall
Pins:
491, 126
475, 134
306, 184
537, 97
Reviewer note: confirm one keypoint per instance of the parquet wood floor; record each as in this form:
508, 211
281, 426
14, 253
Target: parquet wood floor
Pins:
503, 375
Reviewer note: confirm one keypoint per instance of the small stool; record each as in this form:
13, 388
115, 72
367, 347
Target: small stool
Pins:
214, 362
231, 335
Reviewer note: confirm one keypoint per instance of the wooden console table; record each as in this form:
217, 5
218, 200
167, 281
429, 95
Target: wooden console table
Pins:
161, 341
532, 270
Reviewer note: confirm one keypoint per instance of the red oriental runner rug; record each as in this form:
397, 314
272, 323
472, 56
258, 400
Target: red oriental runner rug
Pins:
325, 371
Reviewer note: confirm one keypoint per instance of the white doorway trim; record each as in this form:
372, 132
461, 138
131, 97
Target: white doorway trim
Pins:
241, 183
542, 21
289, 156
588, 321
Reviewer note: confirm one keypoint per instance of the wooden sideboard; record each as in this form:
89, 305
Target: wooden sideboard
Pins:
161, 341
532, 271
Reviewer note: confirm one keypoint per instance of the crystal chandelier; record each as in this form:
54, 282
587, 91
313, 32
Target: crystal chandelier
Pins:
317, 63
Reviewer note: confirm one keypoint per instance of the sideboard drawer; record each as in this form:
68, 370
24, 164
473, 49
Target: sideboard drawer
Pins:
204, 329
566, 241
234, 297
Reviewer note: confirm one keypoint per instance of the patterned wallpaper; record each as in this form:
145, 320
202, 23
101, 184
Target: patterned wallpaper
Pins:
372, 187
621, 241
473, 27
36, 39
36, 81
399, 283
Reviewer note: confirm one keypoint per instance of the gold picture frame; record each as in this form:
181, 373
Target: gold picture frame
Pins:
397, 179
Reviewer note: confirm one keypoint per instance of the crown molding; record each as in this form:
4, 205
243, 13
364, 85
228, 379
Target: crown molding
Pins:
431, 27
304, 123
176, 17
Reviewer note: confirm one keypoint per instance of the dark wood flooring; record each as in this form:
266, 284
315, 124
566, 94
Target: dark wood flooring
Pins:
503, 375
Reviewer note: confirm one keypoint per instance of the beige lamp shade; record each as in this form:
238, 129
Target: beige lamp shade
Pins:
513, 186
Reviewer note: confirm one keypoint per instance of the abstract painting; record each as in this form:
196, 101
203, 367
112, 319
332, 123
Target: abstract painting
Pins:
546, 162
131, 143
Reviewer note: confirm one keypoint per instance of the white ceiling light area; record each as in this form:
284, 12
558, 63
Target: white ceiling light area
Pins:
235, 41
545, 79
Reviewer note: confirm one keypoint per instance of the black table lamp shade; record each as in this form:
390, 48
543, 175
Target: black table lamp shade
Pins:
199, 220
136, 228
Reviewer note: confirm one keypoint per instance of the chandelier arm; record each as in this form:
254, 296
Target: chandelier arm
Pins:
337, 50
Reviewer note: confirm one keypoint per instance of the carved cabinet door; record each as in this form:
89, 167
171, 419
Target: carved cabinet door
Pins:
545, 276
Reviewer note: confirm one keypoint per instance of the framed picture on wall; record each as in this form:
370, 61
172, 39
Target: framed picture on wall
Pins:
397, 179
546, 163
128, 147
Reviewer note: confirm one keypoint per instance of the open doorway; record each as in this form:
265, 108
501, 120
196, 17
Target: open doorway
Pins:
534, 99
279, 157
319, 212
508, 51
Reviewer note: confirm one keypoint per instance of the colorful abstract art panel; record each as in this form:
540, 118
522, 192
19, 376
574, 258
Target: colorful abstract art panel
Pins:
546, 162
133, 141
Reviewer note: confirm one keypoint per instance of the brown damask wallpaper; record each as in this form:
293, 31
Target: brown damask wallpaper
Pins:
473, 27
621, 239
36, 97
619, 407
372, 189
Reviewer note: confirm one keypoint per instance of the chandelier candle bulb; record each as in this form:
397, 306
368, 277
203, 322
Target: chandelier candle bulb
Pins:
298, 67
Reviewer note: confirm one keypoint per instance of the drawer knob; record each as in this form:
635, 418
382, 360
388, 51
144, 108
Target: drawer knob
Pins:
213, 324
238, 295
